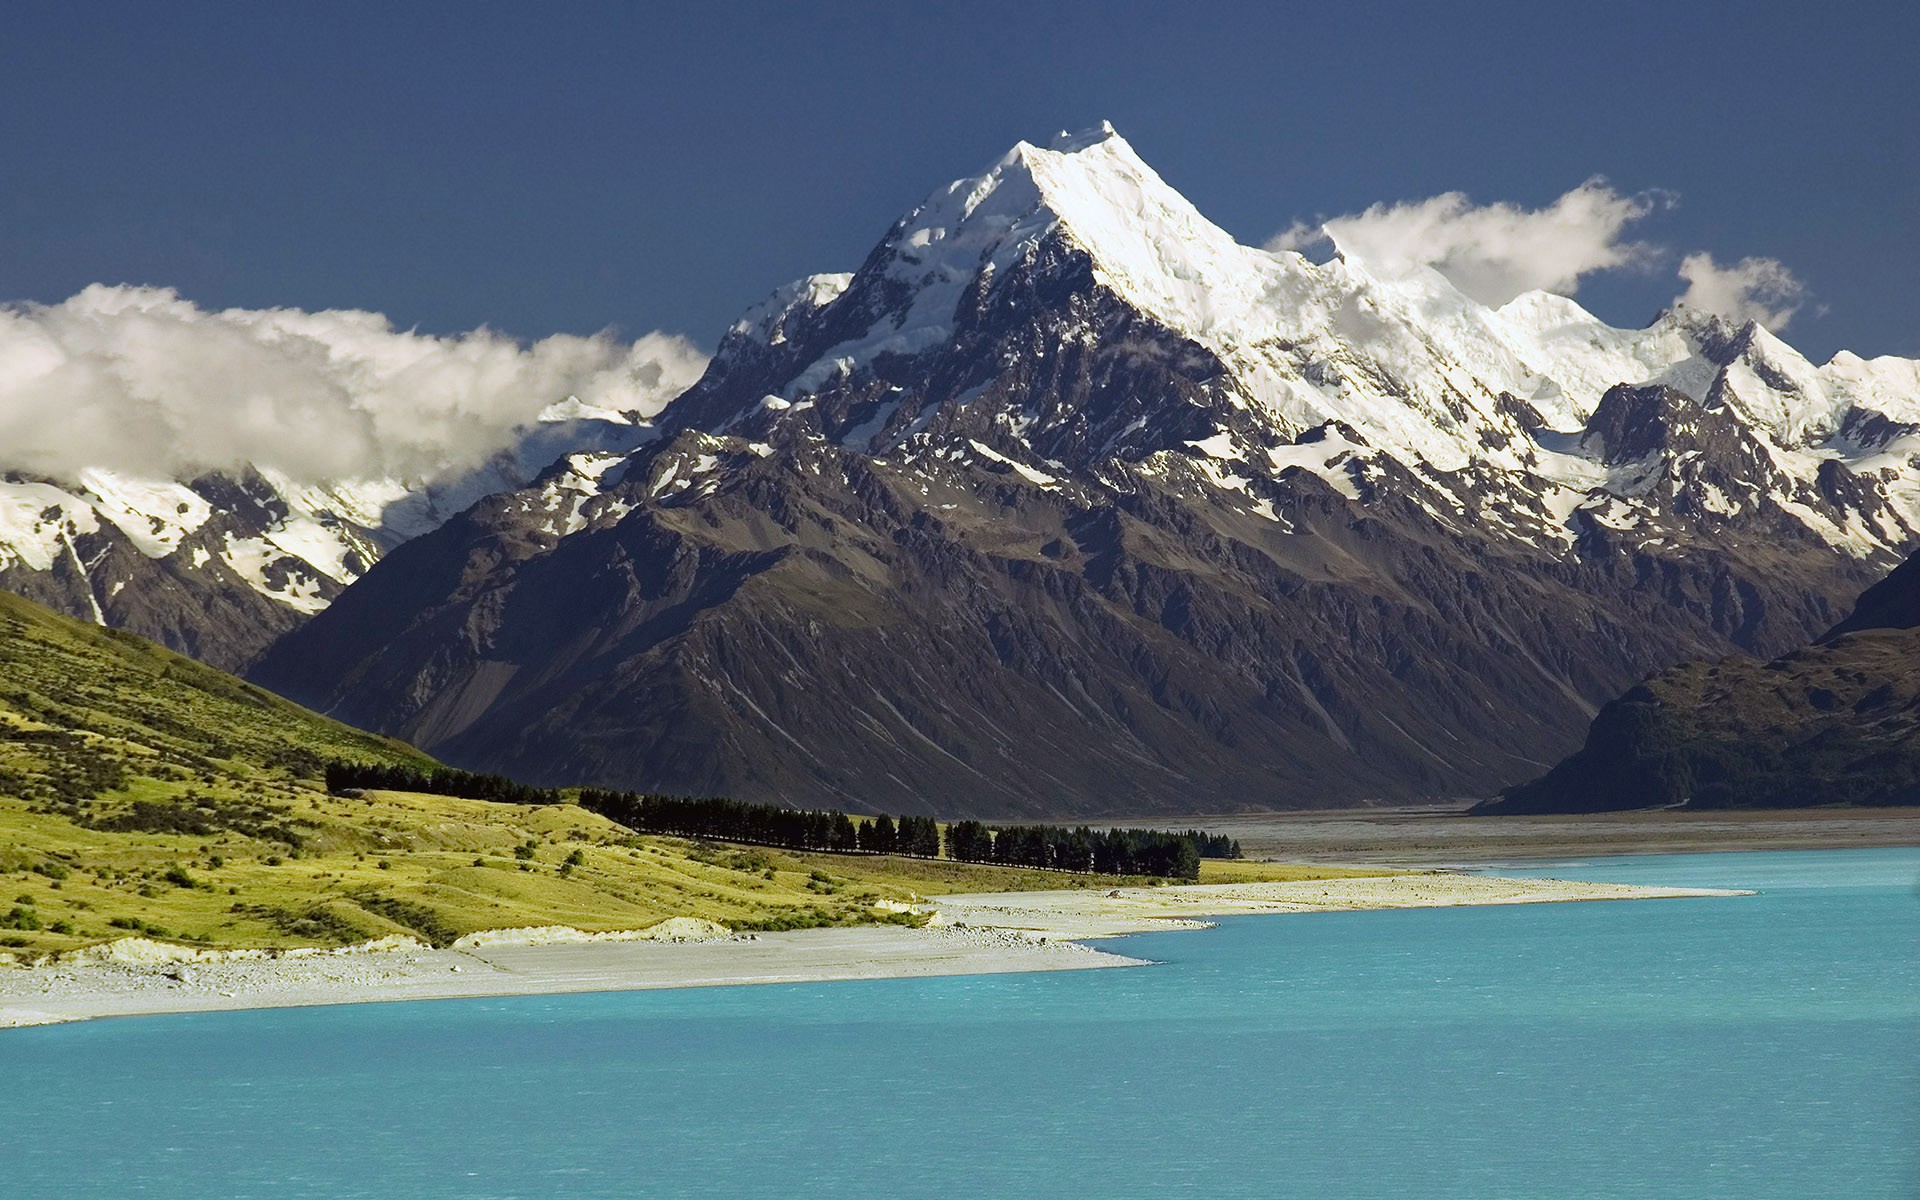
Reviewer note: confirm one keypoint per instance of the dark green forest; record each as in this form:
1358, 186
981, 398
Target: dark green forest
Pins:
1054, 847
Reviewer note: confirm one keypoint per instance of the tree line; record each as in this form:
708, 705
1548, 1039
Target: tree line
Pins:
1215, 845
919, 836
767, 824
1109, 852
441, 781
1055, 847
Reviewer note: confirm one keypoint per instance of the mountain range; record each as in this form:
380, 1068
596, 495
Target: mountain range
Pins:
1065, 502
218, 565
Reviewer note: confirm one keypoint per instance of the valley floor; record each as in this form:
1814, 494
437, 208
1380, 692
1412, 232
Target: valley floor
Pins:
970, 934
1447, 837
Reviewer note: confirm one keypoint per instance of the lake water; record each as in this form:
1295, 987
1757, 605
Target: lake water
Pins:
1755, 1047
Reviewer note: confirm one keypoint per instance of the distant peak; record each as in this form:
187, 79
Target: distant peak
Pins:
1086, 148
1689, 319
1072, 143
1539, 310
1536, 299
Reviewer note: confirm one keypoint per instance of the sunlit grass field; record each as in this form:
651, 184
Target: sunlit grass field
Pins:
143, 793
436, 867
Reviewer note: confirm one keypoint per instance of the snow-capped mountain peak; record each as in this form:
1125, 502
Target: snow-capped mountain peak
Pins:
1146, 240
1078, 254
766, 321
1068, 141
1064, 493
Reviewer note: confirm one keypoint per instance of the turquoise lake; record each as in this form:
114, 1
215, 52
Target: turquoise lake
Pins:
1764, 1046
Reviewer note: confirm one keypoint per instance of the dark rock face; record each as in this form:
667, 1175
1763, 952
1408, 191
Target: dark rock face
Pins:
1029, 548
818, 631
1634, 422
1835, 723
1893, 603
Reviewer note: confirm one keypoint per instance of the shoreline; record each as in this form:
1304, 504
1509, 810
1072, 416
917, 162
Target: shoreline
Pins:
1090, 914
58, 994
978, 934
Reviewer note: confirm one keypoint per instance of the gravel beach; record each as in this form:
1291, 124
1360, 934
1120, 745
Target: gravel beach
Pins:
973, 934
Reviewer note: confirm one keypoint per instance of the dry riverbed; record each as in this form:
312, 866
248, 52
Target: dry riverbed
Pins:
972, 934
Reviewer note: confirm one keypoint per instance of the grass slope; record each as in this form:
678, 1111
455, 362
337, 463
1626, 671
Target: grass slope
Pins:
142, 792
85, 709
435, 867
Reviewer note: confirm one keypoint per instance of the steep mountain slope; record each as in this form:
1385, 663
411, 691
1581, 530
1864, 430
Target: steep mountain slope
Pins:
1065, 502
1893, 603
1835, 723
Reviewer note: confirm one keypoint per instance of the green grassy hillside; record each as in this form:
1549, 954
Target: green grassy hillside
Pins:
142, 792
93, 722
436, 867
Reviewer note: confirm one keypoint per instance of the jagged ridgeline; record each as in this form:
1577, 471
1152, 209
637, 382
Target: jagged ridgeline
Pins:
1050, 847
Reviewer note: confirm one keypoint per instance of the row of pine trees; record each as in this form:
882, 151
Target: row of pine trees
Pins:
766, 824
1055, 847
1109, 852
441, 781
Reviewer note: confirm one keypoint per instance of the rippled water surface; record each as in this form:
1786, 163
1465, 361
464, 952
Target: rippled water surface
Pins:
1764, 1046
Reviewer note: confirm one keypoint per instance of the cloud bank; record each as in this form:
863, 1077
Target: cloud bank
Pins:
1753, 289
138, 380
1493, 252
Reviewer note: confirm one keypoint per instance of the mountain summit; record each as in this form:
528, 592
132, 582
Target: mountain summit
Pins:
1288, 353
1065, 502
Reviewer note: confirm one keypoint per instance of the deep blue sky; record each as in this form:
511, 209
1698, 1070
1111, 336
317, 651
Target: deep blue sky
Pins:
574, 166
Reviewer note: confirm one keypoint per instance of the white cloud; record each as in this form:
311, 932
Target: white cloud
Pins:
1493, 252
139, 380
1753, 289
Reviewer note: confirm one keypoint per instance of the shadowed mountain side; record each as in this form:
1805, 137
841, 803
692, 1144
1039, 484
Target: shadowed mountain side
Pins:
1835, 723
821, 632
1893, 603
